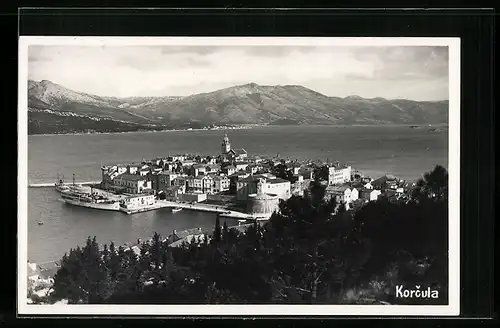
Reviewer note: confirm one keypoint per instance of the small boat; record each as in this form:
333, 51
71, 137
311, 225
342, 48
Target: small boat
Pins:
176, 209
40, 222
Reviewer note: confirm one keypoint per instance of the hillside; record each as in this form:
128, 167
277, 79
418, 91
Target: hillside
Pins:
243, 104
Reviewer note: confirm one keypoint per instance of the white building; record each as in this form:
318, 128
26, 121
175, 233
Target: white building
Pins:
221, 183
368, 185
198, 169
374, 194
176, 158
339, 174
138, 201
270, 185
134, 168
369, 194
342, 194
241, 166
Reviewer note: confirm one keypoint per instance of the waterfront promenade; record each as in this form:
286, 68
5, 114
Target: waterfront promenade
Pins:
224, 212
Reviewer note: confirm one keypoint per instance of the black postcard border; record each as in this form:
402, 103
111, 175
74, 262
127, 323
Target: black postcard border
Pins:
474, 27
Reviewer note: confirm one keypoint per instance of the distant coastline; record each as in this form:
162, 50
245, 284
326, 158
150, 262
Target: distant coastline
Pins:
250, 126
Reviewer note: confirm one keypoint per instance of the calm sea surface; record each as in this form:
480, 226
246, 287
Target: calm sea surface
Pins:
374, 150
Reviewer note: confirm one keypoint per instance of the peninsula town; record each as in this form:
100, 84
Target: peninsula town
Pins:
231, 183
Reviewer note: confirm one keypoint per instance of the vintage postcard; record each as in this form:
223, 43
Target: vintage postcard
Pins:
238, 176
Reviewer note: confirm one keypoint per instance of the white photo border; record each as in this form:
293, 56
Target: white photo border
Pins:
453, 307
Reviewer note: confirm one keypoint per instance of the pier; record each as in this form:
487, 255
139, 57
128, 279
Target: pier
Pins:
194, 207
52, 184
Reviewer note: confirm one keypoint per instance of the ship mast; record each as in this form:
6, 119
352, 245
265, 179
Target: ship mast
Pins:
73, 179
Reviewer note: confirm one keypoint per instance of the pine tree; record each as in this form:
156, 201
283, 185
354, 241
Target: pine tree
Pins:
156, 251
217, 230
225, 232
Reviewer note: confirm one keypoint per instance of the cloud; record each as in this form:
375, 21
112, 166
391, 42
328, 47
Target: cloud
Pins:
391, 72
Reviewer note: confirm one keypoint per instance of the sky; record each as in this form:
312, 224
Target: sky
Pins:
392, 72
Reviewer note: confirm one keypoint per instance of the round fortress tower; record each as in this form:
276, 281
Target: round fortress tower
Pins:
260, 203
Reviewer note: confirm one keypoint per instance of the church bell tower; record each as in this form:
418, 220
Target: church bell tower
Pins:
226, 145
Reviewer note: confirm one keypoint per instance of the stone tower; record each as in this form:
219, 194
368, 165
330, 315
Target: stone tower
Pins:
226, 145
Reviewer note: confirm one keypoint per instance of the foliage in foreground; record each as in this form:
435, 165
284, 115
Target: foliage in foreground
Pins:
311, 251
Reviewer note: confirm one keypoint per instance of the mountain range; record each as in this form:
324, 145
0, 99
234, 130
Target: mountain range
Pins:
53, 108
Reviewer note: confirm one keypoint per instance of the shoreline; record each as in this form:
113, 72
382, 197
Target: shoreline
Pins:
144, 131
247, 127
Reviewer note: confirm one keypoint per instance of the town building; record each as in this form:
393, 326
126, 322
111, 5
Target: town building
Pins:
172, 193
212, 169
194, 184
234, 178
197, 169
131, 183
169, 166
339, 174
221, 183
138, 201
166, 179
341, 193
177, 158
388, 181
369, 194
295, 168
193, 197
208, 184
254, 168
241, 166
269, 184
307, 173
229, 169
178, 238
136, 168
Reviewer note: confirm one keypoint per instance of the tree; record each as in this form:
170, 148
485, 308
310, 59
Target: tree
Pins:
81, 275
321, 172
433, 185
68, 279
225, 232
217, 230
307, 252
281, 171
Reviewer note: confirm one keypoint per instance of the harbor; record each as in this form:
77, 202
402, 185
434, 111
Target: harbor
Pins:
231, 184
181, 191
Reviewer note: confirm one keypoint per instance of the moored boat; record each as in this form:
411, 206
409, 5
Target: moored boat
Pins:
176, 209
90, 201
60, 185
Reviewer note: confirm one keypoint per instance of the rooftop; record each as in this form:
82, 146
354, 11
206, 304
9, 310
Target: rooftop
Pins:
184, 233
277, 180
166, 172
337, 188
131, 177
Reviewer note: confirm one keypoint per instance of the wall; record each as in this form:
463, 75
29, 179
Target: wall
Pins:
193, 197
262, 204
